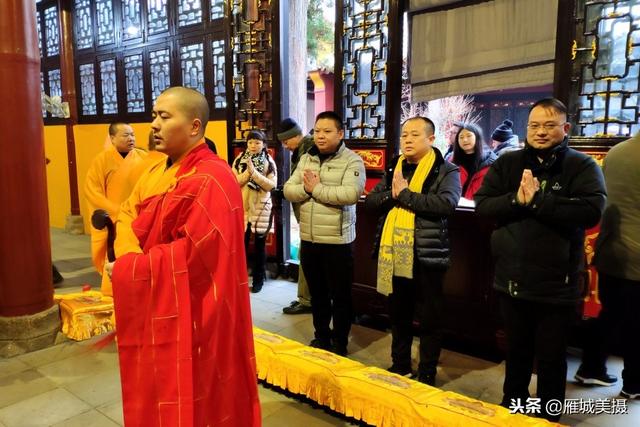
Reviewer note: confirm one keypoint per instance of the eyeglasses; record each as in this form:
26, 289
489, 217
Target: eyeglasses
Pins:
534, 127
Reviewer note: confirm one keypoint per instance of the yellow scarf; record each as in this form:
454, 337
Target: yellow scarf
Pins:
396, 243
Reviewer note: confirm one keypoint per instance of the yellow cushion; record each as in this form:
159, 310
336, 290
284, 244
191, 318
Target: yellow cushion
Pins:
85, 314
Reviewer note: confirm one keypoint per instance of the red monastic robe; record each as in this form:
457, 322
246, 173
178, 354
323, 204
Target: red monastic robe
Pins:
181, 298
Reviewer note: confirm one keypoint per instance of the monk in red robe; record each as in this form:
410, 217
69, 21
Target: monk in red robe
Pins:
180, 283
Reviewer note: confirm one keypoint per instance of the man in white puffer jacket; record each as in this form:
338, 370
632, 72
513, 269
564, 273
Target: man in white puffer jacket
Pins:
327, 184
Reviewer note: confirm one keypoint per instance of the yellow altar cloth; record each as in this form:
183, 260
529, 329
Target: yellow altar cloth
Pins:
85, 314
371, 394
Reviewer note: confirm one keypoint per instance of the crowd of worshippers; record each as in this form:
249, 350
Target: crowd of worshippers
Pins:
541, 193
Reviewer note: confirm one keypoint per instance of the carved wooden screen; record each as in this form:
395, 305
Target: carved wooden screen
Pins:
129, 51
48, 23
606, 71
252, 43
254, 102
368, 61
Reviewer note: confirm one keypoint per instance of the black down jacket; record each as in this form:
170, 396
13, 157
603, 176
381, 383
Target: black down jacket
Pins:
438, 199
539, 249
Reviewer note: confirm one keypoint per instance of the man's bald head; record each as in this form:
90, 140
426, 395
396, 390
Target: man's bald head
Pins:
179, 119
191, 103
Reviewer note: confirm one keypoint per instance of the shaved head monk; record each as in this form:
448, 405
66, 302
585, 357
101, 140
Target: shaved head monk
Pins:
180, 283
108, 184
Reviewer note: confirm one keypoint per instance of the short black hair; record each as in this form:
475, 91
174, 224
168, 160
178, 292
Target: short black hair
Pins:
255, 134
261, 136
113, 127
427, 122
550, 103
331, 115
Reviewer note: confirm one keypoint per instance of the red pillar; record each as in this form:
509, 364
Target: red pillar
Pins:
25, 251
69, 95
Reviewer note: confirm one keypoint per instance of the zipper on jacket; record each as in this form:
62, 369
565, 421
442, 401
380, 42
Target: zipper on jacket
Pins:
513, 288
313, 202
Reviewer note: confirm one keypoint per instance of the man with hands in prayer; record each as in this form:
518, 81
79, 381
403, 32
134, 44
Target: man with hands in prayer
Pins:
542, 198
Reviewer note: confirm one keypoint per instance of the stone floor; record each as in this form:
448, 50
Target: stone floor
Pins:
72, 385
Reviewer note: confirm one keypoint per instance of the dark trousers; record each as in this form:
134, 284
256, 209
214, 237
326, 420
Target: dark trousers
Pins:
329, 273
57, 277
537, 331
619, 318
258, 269
421, 295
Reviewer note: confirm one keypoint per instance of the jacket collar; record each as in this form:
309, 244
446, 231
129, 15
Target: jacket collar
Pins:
313, 151
549, 156
509, 143
488, 157
306, 144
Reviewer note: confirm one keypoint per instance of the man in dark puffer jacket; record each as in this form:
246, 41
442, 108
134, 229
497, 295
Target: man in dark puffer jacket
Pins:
543, 198
427, 188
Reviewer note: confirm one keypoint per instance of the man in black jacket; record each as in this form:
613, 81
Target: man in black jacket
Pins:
414, 198
543, 198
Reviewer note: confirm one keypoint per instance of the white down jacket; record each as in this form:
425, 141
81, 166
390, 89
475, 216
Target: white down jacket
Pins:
257, 203
328, 215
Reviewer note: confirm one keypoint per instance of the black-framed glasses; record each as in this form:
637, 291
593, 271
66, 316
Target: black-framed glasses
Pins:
534, 127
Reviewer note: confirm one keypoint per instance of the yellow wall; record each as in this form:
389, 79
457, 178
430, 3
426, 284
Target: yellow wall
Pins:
217, 132
90, 140
55, 148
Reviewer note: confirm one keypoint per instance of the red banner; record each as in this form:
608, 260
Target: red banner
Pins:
592, 305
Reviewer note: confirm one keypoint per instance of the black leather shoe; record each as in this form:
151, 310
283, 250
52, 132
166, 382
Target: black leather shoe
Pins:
256, 287
405, 371
428, 379
319, 343
340, 350
296, 308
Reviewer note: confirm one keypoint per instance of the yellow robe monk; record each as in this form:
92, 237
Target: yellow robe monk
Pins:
152, 158
107, 185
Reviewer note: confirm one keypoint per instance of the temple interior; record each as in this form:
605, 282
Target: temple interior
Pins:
72, 385
70, 68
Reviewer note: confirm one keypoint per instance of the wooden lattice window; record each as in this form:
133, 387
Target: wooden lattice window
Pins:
48, 27
128, 51
365, 51
606, 69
